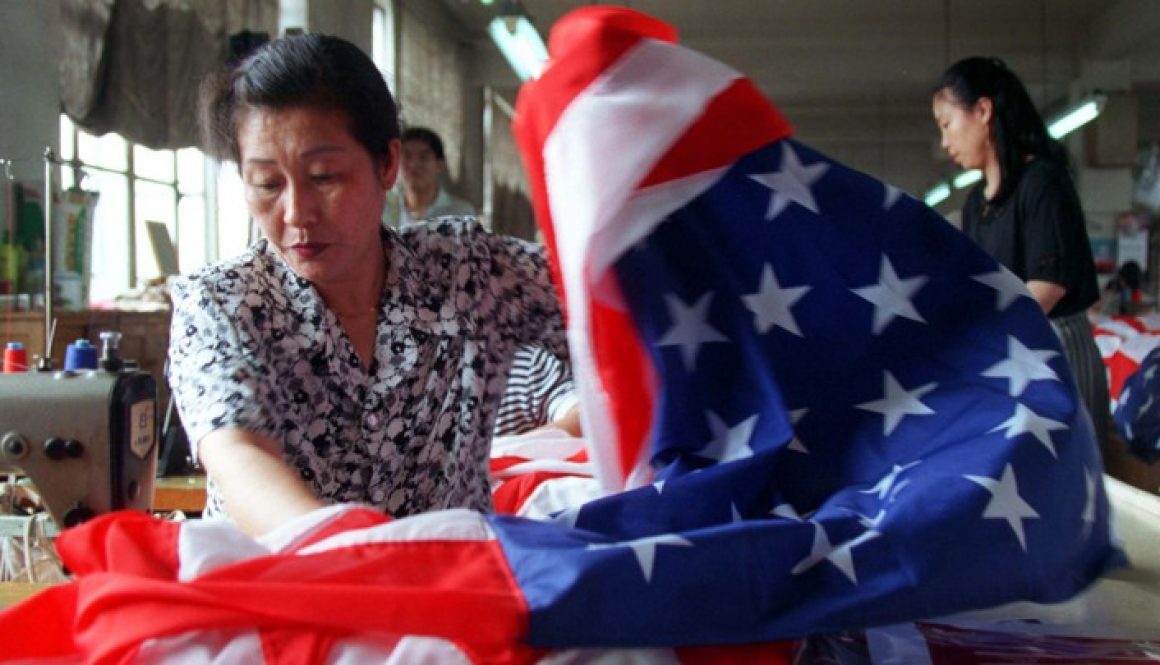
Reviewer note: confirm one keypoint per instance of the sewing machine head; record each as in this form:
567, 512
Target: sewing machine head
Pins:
86, 439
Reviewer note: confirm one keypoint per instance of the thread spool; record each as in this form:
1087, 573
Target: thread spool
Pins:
15, 358
80, 355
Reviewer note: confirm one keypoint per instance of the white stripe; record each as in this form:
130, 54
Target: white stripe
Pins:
548, 465
450, 524
602, 146
548, 443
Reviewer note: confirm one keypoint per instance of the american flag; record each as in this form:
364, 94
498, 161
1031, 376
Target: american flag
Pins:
830, 408
816, 407
1128, 345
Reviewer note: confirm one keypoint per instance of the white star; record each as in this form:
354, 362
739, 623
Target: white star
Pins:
1026, 421
898, 488
898, 403
567, 517
728, 443
791, 183
1147, 405
892, 195
787, 511
1149, 373
1005, 503
645, 549
1022, 366
1008, 287
882, 487
841, 556
1089, 504
870, 522
795, 443
770, 304
690, 329
737, 517
659, 486
891, 296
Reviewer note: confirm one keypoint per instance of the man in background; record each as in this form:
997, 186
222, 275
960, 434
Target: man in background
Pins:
420, 194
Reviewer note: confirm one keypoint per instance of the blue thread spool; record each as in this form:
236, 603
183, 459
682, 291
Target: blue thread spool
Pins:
80, 355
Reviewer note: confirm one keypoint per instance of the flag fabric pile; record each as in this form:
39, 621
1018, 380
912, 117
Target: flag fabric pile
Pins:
1130, 347
1124, 342
813, 405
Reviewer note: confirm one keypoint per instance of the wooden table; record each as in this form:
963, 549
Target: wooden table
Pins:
14, 592
184, 493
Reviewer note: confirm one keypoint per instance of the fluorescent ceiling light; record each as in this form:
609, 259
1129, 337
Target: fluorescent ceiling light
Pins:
520, 44
967, 178
1076, 116
937, 194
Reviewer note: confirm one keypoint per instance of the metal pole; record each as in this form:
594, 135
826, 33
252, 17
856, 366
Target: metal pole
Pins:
49, 163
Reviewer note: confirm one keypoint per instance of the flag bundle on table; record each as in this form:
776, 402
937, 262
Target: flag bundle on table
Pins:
820, 408
1130, 347
1124, 342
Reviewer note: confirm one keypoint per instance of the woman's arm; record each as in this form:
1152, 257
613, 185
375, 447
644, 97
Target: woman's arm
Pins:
258, 490
1047, 294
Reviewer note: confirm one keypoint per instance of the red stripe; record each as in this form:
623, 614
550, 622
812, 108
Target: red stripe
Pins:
458, 590
582, 46
626, 375
735, 123
509, 497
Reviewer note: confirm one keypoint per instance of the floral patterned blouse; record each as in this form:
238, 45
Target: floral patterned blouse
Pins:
253, 346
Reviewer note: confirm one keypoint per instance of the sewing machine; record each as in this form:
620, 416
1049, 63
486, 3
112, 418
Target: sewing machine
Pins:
86, 436
87, 440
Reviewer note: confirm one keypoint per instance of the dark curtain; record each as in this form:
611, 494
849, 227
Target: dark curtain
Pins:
133, 66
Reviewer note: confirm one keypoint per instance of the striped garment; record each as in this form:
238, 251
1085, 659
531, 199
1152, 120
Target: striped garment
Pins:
539, 391
1075, 333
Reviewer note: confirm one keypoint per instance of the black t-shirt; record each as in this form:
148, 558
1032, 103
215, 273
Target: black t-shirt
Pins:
1038, 232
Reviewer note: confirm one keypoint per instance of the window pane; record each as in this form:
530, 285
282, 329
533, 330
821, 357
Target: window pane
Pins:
233, 217
191, 170
67, 149
155, 164
191, 249
155, 203
110, 267
383, 41
109, 151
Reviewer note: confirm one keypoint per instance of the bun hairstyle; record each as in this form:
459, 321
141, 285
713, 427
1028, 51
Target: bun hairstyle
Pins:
304, 70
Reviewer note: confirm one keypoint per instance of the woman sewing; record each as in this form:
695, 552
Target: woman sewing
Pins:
334, 360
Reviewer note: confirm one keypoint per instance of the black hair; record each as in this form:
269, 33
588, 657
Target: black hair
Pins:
1017, 129
1131, 275
303, 70
427, 136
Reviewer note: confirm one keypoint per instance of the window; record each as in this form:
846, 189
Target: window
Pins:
135, 185
383, 40
198, 200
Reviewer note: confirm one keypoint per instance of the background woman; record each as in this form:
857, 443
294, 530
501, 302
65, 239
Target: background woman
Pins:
335, 360
1025, 211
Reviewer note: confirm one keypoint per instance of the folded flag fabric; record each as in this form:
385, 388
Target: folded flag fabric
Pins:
1124, 342
1137, 412
816, 407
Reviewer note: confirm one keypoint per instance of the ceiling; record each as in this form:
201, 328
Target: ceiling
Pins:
854, 76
